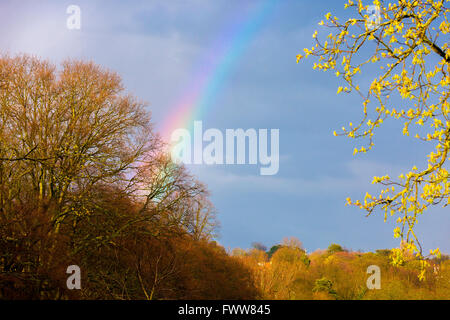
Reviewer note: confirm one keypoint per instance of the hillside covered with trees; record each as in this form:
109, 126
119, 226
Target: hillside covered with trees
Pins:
287, 272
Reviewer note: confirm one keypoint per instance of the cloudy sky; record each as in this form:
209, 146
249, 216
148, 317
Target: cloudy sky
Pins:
160, 48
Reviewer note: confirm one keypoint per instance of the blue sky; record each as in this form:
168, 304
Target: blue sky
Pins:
156, 46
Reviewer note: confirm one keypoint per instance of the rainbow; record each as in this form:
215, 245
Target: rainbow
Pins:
213, 71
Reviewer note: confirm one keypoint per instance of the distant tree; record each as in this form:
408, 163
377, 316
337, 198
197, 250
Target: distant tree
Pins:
333, 248
292, 242
291, 255
273, 249
238, 252
383, 252
259, 246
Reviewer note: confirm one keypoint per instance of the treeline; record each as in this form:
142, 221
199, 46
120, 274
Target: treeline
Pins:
85, 181
287, 272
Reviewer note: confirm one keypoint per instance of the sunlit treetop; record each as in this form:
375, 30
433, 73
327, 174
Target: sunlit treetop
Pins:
404, 46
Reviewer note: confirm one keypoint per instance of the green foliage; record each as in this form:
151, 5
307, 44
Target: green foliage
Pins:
383, 252
333, 248
324, 285
273, 249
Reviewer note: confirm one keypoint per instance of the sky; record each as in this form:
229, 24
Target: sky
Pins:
239, 59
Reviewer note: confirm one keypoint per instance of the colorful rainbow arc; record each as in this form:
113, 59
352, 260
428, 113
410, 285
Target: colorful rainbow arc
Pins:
213, 71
